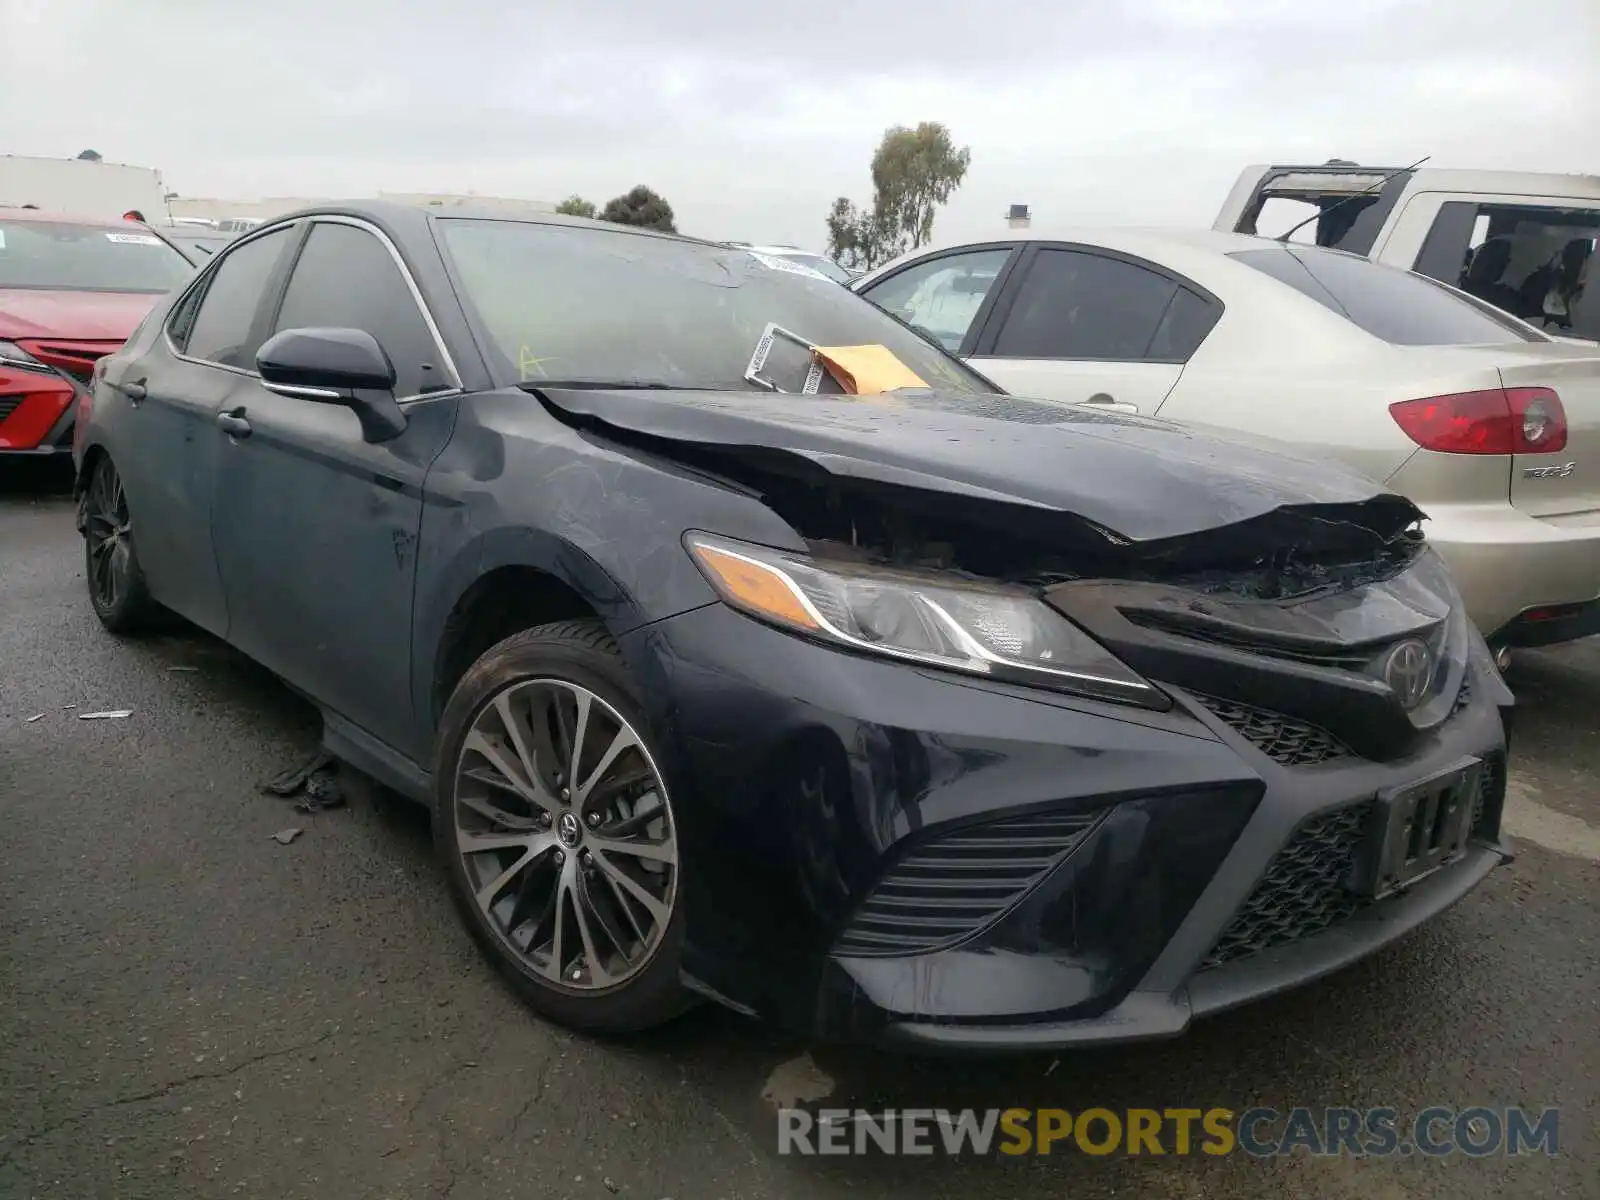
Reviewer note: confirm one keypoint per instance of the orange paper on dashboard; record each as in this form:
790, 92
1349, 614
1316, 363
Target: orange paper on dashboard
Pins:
867, 370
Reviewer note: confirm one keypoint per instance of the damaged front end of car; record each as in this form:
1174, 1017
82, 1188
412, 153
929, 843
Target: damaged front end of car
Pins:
1186, 724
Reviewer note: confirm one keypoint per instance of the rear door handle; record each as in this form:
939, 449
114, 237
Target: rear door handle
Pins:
134, 391
234, 424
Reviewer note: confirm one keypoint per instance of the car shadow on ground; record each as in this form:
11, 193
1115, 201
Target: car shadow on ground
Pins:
35, 478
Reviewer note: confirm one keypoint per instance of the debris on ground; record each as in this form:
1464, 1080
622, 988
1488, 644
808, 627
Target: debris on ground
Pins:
611, 1185
322, 792
32, 719
115, 714
290, 782
284, 836
183, 668
796, 1082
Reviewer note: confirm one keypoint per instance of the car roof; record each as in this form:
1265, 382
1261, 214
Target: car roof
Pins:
393, 216
1175, 248
1582, 188
1119, 237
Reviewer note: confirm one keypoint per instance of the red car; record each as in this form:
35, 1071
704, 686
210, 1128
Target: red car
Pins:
71, 291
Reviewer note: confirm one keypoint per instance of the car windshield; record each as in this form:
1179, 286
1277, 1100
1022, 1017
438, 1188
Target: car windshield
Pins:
87, 258
578, 304
1397, 306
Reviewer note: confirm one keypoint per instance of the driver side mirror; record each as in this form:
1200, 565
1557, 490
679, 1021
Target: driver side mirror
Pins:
335, 366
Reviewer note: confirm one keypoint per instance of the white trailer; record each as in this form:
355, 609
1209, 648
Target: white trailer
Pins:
82, 187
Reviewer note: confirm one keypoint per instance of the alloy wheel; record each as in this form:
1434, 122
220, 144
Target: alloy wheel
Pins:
565, 833
109, 535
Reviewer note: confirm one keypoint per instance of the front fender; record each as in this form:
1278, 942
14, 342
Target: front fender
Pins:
515, 488
443, 582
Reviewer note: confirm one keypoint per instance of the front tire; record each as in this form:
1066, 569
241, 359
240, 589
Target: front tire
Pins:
557, 830
117, 587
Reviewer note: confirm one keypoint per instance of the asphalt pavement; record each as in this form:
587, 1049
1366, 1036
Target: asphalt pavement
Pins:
189, 1008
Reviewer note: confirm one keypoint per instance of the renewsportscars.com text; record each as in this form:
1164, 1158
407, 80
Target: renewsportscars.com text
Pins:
1477, 1131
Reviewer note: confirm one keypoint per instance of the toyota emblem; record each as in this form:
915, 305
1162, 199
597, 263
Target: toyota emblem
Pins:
568, 829
1408, 670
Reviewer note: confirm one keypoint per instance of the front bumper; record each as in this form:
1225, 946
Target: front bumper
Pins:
826, 799
39, 425
1509, 565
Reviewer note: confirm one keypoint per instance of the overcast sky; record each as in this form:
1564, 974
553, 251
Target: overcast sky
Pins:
750, 118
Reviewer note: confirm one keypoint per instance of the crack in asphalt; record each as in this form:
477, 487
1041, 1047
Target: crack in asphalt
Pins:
445, 1076
165, 1089
458, 1175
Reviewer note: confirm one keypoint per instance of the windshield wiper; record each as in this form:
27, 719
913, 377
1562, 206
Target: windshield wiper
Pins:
598, 384
623, 385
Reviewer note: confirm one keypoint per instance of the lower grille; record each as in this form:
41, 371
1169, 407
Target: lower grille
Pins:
1284, 739
953, 885
1303, 892
8, 405
1486, 805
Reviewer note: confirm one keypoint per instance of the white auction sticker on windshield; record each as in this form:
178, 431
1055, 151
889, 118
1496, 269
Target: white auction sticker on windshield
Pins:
772, 262
134, 239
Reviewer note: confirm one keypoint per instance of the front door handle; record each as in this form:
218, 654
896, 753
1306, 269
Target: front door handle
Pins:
134, 391
234, 424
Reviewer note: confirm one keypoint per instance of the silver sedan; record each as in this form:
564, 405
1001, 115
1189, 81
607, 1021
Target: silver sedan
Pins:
1489, 425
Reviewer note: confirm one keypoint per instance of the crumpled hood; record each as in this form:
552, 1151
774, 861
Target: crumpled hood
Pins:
1137, 478
72, 316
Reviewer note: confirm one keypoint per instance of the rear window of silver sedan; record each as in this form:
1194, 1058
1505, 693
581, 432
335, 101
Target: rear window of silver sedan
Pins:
1397, 306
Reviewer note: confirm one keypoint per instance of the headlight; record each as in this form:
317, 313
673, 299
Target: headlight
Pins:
981, 630
18, 359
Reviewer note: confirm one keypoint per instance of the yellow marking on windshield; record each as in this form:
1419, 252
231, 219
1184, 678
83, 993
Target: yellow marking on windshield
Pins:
530, 367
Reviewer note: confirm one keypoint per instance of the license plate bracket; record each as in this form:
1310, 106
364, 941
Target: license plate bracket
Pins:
1416, 829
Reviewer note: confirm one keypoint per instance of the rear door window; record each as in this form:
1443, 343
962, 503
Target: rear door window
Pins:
1400, 307
1085, 306
346, 278
224, 329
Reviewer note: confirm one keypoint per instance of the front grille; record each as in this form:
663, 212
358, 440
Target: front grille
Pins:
1284, 739
1303, 892
955, 884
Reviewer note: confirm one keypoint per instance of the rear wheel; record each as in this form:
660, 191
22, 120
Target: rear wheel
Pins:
557, 830
111, 559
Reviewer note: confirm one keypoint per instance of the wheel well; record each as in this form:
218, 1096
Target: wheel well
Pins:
91, 457
505, 601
